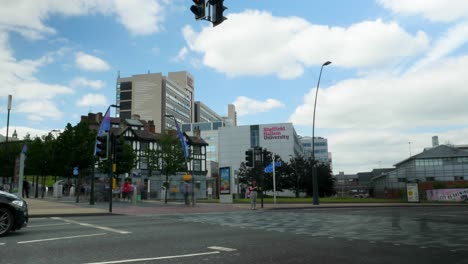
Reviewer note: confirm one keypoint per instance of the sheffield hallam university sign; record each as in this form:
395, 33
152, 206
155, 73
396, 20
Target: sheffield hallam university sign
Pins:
276, 132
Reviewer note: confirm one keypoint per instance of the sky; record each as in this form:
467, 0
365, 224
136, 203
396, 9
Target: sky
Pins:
398, 76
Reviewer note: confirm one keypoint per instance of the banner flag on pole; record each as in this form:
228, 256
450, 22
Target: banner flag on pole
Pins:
182, 140
105, 126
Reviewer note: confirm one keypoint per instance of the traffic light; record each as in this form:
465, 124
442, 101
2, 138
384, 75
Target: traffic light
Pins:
249, 158
198, 9
218, 9
119, 141
102, 146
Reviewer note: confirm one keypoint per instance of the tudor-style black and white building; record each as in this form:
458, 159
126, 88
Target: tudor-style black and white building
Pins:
150, 183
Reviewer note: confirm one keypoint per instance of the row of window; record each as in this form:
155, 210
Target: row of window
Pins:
440, 162
456, 178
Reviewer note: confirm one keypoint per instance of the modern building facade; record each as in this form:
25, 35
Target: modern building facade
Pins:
280, 139
204, 114
320, 149
443, 165
152, 96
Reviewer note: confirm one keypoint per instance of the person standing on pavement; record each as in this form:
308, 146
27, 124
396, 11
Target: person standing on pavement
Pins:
253, 195
209, 190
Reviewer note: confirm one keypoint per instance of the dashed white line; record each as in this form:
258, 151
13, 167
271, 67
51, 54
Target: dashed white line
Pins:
48, 225
93, 226
59, 238
222, 248
2, 244
156, 258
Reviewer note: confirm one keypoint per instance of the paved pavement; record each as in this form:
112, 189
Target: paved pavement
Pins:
66, 206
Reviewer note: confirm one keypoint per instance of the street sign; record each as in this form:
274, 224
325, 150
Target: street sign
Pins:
75, 171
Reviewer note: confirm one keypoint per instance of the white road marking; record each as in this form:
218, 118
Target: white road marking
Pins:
1, 244
48, 225
93, 226
156, 258
59, 238
222, 248
449, 215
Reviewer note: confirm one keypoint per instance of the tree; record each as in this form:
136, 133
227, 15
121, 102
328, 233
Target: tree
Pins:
296, 171
128, 160
324, 179
168, 158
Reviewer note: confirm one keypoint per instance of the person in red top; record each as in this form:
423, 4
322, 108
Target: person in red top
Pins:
126, 190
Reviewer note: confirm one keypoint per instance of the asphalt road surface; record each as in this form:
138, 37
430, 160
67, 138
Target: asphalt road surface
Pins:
360, 235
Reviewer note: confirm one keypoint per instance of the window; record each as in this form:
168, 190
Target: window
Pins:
196, 165
401, 179
197, 150
126, 105
125, 86
126, 95
430, 179
458, 178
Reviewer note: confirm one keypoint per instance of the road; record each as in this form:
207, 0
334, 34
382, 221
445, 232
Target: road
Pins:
360, 235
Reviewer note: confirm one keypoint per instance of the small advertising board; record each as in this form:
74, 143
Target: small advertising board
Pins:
225, 195
412, 192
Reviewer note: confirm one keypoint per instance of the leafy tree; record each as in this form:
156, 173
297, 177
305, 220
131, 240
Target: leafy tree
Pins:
128, 160
168, 158
324, 179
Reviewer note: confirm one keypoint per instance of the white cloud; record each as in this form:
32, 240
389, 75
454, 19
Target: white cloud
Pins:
140, 17
248, 106
434, 10
453, 39
83, 82
286, 45
90, 63
17, 78
23, 131
92, 100
432, 96
39, 109
181, 55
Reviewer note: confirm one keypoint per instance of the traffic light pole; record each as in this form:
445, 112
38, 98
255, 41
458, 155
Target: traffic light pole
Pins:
111, 161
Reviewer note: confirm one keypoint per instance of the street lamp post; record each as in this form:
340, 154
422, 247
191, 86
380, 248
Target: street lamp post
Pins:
314, 167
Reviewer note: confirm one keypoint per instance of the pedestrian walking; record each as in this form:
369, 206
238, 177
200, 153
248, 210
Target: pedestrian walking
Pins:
186, 191
253, 195
26, 188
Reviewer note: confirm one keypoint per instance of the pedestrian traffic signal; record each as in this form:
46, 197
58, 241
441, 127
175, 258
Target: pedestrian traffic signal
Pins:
118, 145
218, 9
198, 9
102, 146
249, 162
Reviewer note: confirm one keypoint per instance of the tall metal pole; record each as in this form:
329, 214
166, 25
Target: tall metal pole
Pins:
6, 139
8, 119
314, 167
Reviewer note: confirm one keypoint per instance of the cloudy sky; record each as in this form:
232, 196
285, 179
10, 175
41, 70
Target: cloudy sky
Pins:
398, 76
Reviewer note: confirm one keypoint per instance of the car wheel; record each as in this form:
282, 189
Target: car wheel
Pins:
6, 221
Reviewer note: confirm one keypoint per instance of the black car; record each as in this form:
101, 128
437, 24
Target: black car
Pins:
13, 213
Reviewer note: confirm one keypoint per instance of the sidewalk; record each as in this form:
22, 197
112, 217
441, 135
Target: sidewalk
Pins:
67, 206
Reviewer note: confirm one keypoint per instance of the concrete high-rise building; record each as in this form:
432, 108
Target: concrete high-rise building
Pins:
204, 114
152, 96
232, 114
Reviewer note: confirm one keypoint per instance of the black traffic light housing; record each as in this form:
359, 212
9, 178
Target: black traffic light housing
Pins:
102, 146
198, 9
249, 162
218, 10
118, 148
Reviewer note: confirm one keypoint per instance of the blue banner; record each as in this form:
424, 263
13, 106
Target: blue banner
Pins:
182, 141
